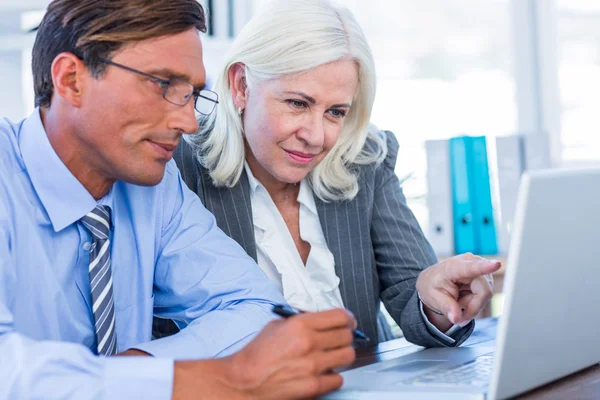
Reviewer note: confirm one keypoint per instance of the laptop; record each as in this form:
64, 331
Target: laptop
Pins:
549, 327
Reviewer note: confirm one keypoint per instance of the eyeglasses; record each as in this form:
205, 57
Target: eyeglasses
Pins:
178, 91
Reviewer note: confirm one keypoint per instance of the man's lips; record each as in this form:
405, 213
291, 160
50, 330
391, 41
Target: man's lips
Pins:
164, 149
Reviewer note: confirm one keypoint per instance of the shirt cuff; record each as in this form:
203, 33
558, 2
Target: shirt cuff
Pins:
446, 336
188, 345
136, 377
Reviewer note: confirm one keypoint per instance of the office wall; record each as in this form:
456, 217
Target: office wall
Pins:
12, 103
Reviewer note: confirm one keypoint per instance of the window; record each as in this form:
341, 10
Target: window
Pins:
29, 21
579, 80
444, 69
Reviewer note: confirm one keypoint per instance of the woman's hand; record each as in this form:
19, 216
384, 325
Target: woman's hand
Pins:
455, 290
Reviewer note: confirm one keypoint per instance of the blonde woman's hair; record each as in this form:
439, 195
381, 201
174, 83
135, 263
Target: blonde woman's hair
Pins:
289, 37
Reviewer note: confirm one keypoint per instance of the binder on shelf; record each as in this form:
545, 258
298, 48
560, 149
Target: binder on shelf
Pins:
510, 152
483, 212
439, 197
462, 201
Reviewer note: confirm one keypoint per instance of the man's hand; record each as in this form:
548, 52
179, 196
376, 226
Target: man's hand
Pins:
289, 359
458, 288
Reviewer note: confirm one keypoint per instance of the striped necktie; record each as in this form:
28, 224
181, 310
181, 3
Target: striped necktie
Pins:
98, 223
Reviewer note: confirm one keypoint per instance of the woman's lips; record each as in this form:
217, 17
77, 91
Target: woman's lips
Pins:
300, 158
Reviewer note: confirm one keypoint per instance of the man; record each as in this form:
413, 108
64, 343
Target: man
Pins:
97, 230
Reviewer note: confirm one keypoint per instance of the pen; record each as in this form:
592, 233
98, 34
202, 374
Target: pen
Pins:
285, 311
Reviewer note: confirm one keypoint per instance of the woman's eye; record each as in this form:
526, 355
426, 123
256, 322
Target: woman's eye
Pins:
297, 103
337, 113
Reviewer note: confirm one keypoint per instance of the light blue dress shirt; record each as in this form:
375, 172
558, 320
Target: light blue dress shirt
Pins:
168, 257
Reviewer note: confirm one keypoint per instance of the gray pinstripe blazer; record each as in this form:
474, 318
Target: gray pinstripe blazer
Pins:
378, 246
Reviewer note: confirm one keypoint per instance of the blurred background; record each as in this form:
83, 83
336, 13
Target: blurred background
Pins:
445, 68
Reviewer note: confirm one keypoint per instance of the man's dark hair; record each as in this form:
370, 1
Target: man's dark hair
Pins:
94, 29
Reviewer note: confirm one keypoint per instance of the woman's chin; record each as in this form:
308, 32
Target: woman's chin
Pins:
293, 176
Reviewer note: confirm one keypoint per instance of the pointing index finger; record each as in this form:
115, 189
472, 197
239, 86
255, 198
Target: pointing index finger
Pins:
471, 269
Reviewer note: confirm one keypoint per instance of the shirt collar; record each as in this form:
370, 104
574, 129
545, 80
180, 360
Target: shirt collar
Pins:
63, 197
305, 195
306, 198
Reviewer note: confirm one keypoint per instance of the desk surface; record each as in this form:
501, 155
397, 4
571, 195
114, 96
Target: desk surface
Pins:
582, 385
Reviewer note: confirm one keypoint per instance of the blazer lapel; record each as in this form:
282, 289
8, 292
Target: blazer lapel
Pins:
353, 262
232, 209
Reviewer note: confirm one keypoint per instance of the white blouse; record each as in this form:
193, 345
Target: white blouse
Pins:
310, 287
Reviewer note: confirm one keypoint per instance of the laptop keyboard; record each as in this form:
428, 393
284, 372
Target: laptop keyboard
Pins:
476, 372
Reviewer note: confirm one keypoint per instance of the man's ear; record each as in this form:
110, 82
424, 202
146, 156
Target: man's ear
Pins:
68, 73
237, 85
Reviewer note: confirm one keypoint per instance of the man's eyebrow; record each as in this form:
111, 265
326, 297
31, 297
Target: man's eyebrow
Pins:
170, 74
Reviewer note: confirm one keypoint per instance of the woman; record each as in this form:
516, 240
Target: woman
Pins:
292, 171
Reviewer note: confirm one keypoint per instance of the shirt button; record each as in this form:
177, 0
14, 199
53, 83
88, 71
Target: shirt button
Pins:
87, 246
